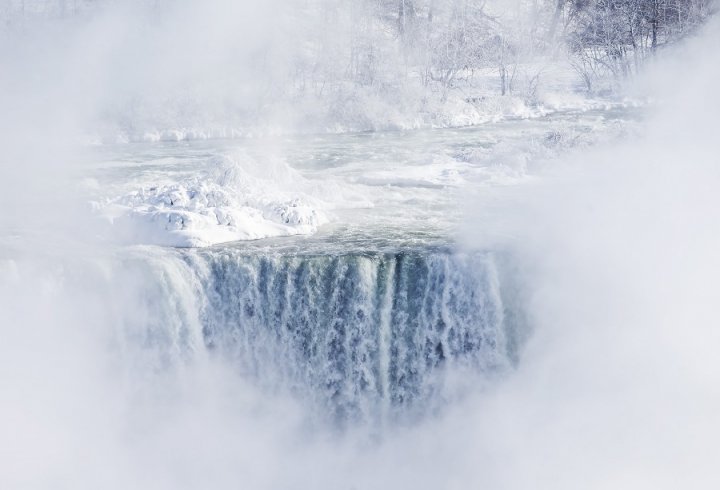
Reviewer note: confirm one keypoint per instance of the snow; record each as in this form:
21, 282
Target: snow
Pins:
226, 203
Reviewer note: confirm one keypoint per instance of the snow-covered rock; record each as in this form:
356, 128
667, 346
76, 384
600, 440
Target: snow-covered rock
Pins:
226, 203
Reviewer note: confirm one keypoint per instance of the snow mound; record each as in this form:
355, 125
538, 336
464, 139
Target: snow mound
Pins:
236, 198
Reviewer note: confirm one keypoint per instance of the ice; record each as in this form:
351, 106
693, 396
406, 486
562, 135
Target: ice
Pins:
226, 203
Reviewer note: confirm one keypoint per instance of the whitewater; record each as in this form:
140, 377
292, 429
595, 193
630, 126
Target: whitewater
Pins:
200, 193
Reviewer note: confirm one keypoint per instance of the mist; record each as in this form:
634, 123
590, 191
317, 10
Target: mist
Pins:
615, 246
616, 387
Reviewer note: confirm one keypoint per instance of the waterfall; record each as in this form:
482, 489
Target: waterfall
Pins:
361, 335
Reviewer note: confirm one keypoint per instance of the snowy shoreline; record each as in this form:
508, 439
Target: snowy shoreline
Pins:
468, 112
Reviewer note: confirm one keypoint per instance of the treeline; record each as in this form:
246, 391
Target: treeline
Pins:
446, 43
441, 44
614, 37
